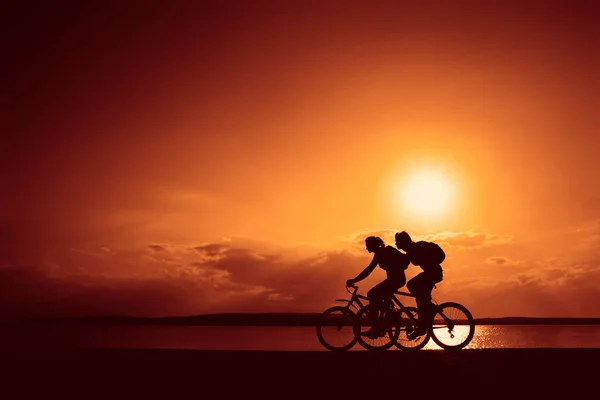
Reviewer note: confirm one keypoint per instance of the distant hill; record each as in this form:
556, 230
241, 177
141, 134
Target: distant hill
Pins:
285, 319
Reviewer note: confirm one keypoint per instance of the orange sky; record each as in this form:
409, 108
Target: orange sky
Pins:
174, 161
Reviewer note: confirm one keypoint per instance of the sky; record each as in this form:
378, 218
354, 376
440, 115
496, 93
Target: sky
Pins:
180, 159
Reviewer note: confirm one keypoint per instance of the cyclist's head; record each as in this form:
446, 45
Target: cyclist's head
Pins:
373, 242
402, 240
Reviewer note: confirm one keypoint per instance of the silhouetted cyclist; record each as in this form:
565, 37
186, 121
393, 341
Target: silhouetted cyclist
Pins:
428, 256
394, 263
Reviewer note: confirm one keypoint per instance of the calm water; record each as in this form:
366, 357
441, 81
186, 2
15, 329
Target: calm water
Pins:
270, 338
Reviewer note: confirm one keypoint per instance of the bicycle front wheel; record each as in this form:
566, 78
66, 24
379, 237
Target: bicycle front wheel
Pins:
408, 323
388, 335
453, 326
335, 328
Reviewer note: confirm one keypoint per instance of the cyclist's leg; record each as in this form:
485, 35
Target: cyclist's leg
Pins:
377, 296
388, 288
421, 286
434, 275
428, 307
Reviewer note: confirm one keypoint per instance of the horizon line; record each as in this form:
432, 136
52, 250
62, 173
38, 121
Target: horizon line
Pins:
273, 313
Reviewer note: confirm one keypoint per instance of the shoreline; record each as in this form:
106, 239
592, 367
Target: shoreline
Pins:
300, 374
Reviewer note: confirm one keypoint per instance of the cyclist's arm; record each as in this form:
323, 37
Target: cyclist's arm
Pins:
367, 271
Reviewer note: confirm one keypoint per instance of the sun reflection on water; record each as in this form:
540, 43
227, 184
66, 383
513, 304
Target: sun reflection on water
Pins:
486, 336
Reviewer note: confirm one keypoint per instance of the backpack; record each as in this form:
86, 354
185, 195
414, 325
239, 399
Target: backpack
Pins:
436, 253
427, 253
399, 258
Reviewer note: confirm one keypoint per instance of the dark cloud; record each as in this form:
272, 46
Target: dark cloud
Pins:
34, 292
499, 260
234, 279
157, 248
211, 249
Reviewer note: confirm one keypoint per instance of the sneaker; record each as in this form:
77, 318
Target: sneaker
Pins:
416, 333
372, 333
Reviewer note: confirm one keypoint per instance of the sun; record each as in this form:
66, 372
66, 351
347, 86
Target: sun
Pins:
427, 194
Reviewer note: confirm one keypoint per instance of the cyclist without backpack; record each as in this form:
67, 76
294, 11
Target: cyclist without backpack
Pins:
394, 263
428, 256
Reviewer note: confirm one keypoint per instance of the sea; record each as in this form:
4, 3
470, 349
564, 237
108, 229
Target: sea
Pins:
269, 338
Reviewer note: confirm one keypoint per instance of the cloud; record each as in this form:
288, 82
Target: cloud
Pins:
236, 275
157, 248
211, 249
470, 240
587, 237
550, 289
31, 291
356, 241
498, 260
171, 279
451, 240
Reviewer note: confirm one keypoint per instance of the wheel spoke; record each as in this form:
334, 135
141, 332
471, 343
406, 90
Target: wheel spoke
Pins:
335, 329
408, 323
453, 326
384, 341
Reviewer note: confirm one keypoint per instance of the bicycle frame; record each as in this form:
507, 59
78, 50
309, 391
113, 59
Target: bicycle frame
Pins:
439, 310
354, 300
356, 303
402, 307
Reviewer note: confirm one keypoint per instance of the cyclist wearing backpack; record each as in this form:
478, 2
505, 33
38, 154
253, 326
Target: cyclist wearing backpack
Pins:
428, 256
394, 263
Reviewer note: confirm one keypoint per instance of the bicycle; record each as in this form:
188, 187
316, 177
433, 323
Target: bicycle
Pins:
450, 319
345, 324
452, 327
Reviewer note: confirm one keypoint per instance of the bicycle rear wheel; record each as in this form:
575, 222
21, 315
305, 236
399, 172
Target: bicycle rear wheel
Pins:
453, 326
389, 333
335, 328
408, 322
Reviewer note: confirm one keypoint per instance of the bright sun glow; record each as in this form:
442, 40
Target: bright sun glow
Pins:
427, 194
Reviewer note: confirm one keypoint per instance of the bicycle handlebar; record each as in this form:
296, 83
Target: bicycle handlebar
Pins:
353, 287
